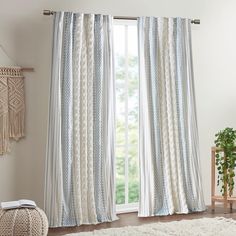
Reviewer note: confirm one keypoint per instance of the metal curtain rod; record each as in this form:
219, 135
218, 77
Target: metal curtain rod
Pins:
49, 13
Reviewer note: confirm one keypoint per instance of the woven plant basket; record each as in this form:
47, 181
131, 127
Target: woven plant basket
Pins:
23, 222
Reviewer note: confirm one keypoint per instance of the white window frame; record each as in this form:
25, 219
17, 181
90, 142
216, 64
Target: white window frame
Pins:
126, 207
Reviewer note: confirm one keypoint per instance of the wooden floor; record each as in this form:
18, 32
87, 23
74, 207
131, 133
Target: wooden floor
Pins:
132, 219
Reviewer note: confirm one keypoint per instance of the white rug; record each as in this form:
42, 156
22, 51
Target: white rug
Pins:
205, 226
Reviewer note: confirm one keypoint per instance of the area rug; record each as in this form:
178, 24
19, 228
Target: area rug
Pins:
198, 227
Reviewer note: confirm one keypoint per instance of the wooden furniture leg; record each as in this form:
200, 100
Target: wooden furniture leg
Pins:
212, 179
226, 192
225, 206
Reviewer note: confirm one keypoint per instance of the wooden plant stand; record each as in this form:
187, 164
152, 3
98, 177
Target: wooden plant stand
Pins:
226, 199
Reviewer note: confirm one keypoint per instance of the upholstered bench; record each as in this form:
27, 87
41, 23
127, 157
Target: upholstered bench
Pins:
23, 222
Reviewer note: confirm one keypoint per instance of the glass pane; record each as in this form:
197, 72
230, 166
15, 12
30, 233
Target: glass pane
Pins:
132, 40
119, 48
133, 134
133, 174
120, 116
133, 114
133, 85
120, 176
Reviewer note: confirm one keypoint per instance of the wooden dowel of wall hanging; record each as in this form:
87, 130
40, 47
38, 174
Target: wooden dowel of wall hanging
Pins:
27, 69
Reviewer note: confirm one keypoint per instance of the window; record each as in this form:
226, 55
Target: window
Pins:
127, 99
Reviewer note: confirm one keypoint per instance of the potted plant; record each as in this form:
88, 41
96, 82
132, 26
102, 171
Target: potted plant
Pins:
226, 159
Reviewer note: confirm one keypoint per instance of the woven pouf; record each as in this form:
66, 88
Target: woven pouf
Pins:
23, 222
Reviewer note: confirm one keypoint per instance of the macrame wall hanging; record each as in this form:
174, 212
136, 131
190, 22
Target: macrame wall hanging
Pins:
12, 101
12, 106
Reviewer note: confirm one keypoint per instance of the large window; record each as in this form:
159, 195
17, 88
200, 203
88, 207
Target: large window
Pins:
127, 99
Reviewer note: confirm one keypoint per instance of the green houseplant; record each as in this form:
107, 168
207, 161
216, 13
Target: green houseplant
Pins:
226, 159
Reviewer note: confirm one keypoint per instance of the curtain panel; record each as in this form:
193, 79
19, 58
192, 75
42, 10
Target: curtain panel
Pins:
170, 180
79, 186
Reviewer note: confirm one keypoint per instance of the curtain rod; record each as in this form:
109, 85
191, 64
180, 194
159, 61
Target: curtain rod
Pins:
49, 13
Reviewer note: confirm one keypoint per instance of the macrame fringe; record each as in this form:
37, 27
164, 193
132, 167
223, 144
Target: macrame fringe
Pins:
17, 124
4, 134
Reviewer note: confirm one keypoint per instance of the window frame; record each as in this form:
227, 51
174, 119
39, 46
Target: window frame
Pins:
127, 207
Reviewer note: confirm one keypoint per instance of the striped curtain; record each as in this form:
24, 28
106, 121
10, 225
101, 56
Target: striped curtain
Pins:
170, 180
79, 186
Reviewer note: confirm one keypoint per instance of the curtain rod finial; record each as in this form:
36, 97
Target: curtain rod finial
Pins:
47, 12
195, 21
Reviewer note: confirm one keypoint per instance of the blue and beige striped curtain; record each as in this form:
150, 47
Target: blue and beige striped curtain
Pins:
170, 180
79, 186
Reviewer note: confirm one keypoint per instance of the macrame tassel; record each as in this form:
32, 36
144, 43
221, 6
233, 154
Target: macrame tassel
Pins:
17, 124
4, 122
16, 108
4, 134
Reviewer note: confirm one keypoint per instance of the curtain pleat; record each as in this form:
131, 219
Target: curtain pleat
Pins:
67, 120
80, 153
104, 119
170, 180
54, 177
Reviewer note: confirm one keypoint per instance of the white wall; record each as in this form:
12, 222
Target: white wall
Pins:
215, 76
26, 35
